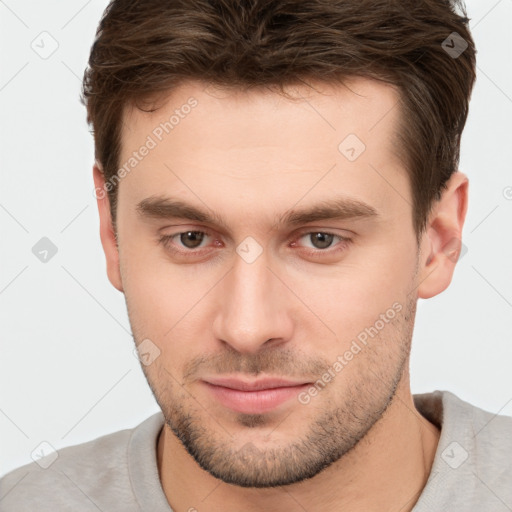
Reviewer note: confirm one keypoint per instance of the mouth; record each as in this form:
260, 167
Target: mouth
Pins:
255, 396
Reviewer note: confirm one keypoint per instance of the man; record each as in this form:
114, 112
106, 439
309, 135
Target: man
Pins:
277, 185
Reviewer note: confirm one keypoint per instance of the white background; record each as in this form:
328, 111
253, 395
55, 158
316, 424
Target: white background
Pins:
67, 372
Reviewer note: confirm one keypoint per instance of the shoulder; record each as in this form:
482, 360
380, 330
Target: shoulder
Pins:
472, 468
486, 429
73, 478
486, 436
490, 438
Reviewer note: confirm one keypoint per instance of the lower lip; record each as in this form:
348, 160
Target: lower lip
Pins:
254, 402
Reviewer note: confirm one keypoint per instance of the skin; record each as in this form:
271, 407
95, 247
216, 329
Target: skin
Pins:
359, 444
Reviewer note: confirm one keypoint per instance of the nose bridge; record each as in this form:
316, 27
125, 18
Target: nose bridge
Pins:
252, 310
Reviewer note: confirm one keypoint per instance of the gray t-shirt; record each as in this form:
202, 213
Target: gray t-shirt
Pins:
472, 469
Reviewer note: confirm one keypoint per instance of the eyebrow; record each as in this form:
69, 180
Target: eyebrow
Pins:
341, 208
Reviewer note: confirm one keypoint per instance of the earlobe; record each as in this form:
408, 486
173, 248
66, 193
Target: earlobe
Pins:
107, 234
442, 240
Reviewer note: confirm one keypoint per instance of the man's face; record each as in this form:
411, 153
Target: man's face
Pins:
325, 305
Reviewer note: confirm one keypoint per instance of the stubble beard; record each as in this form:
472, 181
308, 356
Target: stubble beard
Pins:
328, 437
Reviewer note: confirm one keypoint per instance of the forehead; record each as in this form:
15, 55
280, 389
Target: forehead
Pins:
362, 106
258, 143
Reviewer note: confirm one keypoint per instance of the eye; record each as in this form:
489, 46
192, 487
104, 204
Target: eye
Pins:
189, 240
321, 240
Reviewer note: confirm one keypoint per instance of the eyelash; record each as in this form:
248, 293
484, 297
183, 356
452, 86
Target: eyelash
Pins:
166, 240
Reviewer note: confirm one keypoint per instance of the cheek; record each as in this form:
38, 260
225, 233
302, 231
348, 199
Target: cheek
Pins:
154, 297
352, 296
166, 303
160, 311
158, 303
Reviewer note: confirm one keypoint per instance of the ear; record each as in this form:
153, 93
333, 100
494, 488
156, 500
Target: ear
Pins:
107, 235
441, 242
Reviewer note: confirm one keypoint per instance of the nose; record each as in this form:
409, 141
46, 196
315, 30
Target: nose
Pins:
253, 310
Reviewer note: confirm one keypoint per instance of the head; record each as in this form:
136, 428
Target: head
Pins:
277, 185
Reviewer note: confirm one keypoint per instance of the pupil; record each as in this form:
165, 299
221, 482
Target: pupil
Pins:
195, 237
324, 240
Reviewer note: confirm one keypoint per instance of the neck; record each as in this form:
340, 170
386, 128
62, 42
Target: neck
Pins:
386, 470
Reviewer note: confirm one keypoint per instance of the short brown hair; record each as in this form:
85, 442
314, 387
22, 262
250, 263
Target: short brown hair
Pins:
148, 47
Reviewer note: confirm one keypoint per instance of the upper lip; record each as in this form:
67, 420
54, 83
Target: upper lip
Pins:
254, 385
